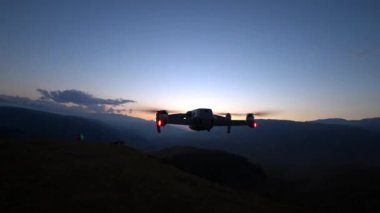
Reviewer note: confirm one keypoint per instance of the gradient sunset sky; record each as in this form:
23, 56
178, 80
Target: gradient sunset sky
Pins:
306, 59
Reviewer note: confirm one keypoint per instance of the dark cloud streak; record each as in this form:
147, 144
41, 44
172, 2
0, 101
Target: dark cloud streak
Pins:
59, 102
79, 97
41, 105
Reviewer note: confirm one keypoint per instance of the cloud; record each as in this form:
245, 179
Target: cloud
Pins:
69, 102
79, 97
41, 105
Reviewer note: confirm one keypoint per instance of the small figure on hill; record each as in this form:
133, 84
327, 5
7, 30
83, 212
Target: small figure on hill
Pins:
80, 137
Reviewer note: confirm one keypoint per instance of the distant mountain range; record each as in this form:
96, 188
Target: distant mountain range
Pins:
282, 147
290, 148
324, 165
23, 123
372, 124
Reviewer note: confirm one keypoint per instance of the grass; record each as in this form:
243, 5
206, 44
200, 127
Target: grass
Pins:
63, 177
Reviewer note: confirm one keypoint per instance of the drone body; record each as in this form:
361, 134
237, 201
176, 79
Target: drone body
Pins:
202, 119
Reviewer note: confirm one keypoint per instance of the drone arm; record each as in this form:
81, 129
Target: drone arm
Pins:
179, 119
224, 121
220, 121
239, 123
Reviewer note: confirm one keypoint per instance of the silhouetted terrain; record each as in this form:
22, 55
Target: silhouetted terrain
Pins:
372, 124
21, 123
342, 189
290, 148
286, 147
280, 166
217, 166
122, 123
65, 177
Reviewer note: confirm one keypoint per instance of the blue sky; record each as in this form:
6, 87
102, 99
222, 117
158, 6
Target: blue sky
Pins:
307, 59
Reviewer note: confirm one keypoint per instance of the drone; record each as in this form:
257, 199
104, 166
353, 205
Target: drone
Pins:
202, 119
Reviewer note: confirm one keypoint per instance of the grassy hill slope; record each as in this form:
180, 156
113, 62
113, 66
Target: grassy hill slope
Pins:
217, 166
26, 124
63, 177
22, 124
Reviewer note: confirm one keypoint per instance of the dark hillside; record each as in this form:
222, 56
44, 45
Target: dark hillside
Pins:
66, 177
350, 188
19, 123
291, 148
217, 166
372, 124
26, 124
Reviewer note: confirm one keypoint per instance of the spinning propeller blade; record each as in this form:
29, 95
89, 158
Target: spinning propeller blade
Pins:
151, 110
259, 113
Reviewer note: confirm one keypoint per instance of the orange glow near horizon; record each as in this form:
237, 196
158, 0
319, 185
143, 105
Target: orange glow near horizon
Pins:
292, 117
299, 116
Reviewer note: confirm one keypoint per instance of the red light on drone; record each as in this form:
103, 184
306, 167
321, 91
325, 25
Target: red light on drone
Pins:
159, 122
255, 125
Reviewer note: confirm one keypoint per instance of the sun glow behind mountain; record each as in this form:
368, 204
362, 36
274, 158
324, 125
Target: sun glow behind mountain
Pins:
306, 60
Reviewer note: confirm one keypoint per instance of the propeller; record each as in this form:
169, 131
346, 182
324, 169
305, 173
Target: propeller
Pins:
259, 113
151, 110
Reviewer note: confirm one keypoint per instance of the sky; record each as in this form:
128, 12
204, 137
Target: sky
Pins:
304, 59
